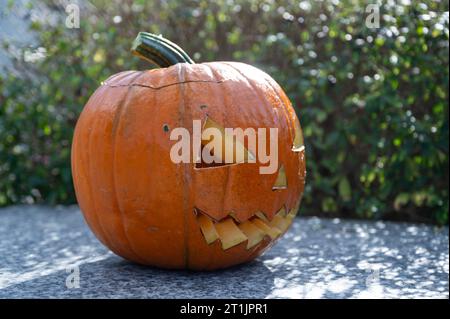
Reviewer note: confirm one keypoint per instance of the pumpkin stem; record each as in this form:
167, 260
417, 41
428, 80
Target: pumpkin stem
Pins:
158, 50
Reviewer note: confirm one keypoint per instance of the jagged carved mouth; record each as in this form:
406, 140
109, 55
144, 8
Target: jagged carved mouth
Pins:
231, 232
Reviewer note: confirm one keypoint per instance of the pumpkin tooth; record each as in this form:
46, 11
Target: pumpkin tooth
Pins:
254, 234
233, 215
293, 212
207, 228
281, 181
280, 223
262, 216
272, 232
282, 212
230, 235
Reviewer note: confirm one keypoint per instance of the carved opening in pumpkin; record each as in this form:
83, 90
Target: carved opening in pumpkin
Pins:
230, 232
262, 216
207, 228
281, 181
233, 215
280, 221
298, 144
230, 235
272, 232
293, 212
253, 233
226, 151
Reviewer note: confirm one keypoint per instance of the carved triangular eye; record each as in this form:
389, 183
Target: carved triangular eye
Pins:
298, 144
226, 150
281, 181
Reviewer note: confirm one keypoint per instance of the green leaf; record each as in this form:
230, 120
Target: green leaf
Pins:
401, 200
345, 191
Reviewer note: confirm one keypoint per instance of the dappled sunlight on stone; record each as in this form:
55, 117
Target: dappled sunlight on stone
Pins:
317, 258
341, 285
355, 259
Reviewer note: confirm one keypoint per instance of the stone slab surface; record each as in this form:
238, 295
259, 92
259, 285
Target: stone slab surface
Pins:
317, 258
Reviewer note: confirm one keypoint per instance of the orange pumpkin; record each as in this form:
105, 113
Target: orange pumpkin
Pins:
150, 210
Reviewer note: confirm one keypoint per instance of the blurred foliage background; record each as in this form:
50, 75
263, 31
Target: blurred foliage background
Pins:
373, 102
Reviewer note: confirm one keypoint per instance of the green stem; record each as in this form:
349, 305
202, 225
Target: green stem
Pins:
159, 50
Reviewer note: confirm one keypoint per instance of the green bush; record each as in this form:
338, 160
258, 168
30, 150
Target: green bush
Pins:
373, 103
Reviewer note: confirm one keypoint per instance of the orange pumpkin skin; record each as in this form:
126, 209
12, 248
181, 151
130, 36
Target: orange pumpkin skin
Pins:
143, 206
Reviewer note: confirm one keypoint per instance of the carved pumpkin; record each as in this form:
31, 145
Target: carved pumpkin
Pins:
152, 211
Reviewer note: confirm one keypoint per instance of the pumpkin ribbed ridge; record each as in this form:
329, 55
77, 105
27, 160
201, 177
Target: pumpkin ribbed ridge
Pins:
121, 108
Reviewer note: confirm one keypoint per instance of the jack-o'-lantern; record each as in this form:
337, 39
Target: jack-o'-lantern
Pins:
149, 209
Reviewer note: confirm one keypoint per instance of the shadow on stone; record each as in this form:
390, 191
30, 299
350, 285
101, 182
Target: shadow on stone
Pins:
115, 277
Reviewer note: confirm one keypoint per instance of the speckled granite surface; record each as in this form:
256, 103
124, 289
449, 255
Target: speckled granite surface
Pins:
318, 258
